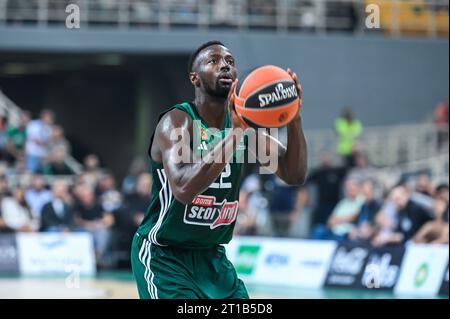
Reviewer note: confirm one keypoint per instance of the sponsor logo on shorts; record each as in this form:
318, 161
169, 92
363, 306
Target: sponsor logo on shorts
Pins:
205, 211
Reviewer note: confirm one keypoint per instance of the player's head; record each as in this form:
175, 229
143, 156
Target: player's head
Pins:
212, 69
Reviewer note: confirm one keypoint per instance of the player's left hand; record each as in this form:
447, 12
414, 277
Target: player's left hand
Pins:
299, 90
237, 121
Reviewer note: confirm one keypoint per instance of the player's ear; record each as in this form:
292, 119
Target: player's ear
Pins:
193, 76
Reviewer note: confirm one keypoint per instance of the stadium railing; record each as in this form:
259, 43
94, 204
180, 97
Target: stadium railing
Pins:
397, 17
397, 145
9, 109
24, 180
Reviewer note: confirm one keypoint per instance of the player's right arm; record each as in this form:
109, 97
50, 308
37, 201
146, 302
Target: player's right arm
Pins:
188, 179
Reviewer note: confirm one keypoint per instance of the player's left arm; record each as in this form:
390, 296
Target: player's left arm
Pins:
292, 159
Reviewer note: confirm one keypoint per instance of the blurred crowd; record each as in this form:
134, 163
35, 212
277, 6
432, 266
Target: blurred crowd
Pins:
39, 192
34, 146
351, 200
346, 204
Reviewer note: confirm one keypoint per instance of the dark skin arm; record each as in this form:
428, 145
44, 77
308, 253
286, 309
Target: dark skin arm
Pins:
187, 180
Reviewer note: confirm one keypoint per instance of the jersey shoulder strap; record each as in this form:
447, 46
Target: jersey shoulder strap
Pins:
186, 107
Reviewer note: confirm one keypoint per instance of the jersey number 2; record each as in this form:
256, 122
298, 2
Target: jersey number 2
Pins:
225, 174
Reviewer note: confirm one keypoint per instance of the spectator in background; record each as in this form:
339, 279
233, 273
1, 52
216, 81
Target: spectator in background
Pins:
138, 202
3, 137
365, 223
138, 166
386, 220
57, 215
3, 226
362, 170
348, 129
328, 180
37, 195
411, 217
422, 192
59, 146
437, 230
4, 187
20, 167
16, 213
283, 205
441, 123
110, 197
92, 169
38, 139
90, 216
423, 185
253, 214
441, 192
57, 166
130, 215
17, 136
5, 155
340, 223
4, 192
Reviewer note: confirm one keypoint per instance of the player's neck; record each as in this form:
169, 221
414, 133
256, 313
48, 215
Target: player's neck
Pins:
212, 110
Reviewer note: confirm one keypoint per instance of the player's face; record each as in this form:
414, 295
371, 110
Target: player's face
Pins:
217, 70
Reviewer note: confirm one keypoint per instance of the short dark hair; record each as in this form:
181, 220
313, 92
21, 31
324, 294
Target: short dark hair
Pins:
441, 188
198, 50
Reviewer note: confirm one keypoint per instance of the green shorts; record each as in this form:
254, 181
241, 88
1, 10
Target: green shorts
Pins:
166, 272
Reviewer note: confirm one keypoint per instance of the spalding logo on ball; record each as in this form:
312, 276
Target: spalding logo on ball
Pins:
267, 97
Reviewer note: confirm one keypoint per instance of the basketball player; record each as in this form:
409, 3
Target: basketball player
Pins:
177, 251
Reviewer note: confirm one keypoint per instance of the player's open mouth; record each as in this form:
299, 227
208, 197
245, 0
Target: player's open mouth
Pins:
226, 79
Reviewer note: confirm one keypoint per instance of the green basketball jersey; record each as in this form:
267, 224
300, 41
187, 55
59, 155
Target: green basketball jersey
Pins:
210, 218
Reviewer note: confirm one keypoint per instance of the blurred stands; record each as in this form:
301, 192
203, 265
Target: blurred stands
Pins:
400, 145
417, 17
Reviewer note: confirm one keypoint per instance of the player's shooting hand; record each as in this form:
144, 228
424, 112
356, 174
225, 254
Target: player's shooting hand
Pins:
299, 90
238, 122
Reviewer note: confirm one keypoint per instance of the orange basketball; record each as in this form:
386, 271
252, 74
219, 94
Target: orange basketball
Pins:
267, 97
